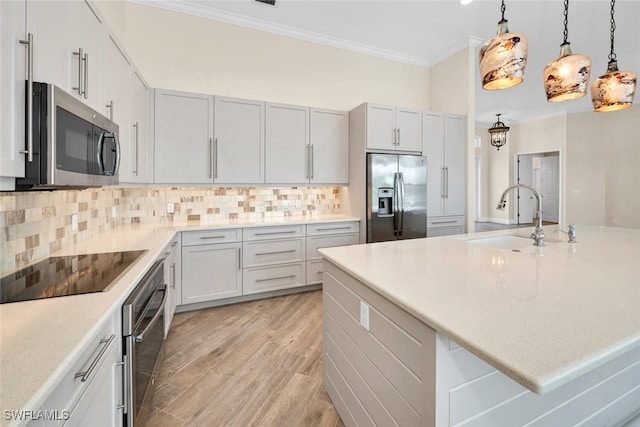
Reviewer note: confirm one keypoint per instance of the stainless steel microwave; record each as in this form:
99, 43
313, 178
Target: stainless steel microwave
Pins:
70, 145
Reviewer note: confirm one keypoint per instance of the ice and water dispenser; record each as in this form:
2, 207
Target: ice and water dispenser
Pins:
385, 201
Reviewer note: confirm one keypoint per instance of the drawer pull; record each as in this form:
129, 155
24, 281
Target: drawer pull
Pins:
334, 228
276, 278
85, 375
275, 252
445, 222
271, 233
211, 237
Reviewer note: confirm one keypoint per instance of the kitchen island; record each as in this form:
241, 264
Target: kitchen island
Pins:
485, 329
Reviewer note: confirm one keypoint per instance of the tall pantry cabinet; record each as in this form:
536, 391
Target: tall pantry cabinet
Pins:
444, 145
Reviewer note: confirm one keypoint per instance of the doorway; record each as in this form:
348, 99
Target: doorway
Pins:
542, 172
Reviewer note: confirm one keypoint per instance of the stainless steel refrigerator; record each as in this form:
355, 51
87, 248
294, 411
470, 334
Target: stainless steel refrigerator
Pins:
396, 197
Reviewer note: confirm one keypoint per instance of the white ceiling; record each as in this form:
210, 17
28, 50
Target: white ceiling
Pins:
424, 32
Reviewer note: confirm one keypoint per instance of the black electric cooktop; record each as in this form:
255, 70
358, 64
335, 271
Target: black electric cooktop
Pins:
66, 275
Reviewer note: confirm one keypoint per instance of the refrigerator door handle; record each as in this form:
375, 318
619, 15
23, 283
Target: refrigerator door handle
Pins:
401, 202
396, 210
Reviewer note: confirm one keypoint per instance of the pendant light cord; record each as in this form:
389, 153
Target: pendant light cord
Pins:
612, 55
503, 8
566, 20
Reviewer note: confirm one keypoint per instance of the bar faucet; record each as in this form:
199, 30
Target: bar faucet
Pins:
538, 233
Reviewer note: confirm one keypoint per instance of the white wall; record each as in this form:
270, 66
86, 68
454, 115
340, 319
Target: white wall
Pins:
603, 168
184, 52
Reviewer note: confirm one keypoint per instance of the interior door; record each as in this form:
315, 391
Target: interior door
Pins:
414, 196
380, 197
550, 188
524, 198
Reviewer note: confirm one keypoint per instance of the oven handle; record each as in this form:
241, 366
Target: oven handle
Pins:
140, 338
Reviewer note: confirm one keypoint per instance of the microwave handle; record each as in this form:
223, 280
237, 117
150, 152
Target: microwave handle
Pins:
101, 139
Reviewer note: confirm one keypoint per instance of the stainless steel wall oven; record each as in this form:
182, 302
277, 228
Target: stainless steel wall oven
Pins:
143, 338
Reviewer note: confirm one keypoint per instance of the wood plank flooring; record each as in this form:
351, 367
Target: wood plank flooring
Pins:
251, 364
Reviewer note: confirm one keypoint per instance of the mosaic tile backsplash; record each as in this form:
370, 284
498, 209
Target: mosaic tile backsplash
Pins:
34, 224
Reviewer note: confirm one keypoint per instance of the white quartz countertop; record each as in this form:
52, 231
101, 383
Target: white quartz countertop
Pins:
543, 316
40, 340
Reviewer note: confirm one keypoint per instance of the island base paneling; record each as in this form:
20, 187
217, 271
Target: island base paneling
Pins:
399, 371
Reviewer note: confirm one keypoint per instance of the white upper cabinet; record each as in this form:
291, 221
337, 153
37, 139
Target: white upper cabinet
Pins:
49, 22
12, 92
329, 146
393, 128
238, 146
408, 129
287, 144
116, 105
85, 56
140, 150
183, 130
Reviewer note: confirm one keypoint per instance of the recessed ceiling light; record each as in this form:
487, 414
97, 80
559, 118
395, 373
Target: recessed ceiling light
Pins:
465, 2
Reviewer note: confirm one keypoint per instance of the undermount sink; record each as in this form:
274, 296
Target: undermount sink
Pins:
511, 241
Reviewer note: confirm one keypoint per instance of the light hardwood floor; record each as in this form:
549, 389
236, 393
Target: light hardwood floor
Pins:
251, 364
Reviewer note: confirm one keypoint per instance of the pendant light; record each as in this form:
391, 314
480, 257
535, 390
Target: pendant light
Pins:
566, 77
615, 89
498, 133
503, 58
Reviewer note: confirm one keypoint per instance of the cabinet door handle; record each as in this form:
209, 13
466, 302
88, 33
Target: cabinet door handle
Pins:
441, 182
446, 174
444, 222
333, 228
270, 233
307, 161
84, 376
80, 55
239, 259
110, 107
276, 278
215, 158
393, 137
85, 91
275, 252
136, 126
212, 237
210, 159
29, 45
398, 130
311, 163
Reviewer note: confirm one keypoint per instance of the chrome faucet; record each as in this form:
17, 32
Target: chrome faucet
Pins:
538, 233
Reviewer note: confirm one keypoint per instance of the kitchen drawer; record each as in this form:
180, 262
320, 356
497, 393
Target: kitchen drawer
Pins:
314, 271
70, 389
445, 231
332, 228
260, 253
207, 237
264, 279
270, 233
316, 242
445, 221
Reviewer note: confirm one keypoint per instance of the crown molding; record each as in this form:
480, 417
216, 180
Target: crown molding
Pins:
283, 30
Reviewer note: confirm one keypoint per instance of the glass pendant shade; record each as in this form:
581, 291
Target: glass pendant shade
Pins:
503, 59
566, 77
614, 90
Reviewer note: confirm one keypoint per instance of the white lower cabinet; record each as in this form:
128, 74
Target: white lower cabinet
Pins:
325, 236
171, 261
211, 271
224, 263
91, 392
264, 279
273, 259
